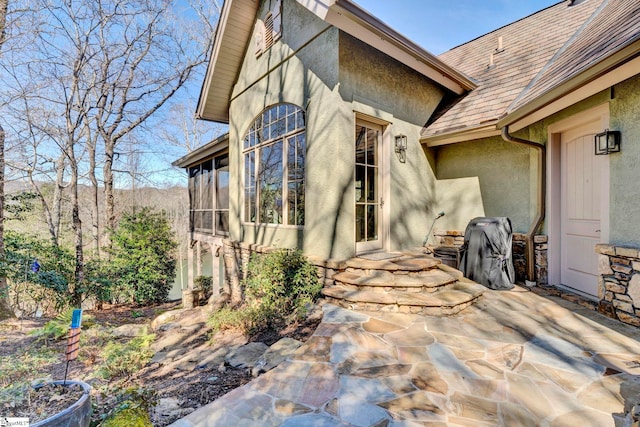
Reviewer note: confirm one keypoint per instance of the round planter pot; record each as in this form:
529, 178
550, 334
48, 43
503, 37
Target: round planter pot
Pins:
76, 415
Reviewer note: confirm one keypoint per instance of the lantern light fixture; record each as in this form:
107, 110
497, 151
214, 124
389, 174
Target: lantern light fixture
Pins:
607, 142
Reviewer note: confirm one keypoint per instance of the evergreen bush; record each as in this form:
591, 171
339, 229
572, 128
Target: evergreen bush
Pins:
143, 258
279, 289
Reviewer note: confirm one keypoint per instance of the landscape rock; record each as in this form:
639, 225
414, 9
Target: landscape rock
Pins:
246, 356
168, 326
130, 330
168, 408
159, 357
164, 318
275, 355
212, 359
170, 340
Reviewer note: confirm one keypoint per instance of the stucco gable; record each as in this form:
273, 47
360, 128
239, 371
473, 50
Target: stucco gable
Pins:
234, 36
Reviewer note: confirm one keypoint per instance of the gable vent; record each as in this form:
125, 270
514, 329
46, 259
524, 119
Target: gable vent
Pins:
268, 31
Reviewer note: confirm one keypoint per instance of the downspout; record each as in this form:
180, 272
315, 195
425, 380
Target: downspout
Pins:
541, 197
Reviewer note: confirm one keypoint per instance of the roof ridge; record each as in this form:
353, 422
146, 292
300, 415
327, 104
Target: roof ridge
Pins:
504, 26
555, 56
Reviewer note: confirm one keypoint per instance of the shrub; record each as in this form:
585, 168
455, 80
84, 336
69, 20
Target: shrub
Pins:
120, 359
143, 258
58, 327
283, 284
36, 288
280, 287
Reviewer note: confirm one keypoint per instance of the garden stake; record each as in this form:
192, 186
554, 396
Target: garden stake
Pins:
73, 341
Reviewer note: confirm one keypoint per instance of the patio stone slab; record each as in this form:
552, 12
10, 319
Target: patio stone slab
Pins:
514, 359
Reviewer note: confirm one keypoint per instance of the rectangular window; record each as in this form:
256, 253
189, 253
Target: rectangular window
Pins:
222, 194
209, 196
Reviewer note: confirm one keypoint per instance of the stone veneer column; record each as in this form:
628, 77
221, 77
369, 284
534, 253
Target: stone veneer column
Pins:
619, 283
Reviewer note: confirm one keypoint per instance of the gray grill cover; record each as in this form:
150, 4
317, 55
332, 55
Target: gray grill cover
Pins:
487, 255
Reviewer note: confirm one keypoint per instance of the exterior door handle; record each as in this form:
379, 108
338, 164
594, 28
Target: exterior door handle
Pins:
597, 231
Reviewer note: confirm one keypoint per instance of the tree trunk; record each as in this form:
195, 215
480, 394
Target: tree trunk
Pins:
76, 224
95, 211
5, 309
109, 200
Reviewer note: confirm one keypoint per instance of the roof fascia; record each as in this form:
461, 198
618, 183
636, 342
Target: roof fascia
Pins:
486, 130
196, 156
352, 19
222, 37
614, 69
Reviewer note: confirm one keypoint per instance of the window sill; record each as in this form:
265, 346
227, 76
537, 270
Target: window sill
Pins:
268, 225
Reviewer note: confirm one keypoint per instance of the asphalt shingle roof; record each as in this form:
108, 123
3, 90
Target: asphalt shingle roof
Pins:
614, 27
529, 46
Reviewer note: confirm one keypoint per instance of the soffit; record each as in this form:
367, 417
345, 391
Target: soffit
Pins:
232, 37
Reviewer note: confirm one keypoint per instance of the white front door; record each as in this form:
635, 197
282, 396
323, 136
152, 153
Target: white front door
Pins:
368, 186
582, 208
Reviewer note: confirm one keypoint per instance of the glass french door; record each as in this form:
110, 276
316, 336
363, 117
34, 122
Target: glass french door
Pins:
368, 200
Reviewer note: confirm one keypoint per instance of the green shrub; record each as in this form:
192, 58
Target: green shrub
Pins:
58, 327
49, 285
120, 359
280, 287
143, 258
283, 284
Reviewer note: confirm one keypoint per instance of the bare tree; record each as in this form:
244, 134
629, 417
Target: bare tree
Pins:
139, 75
5, 309
95, 74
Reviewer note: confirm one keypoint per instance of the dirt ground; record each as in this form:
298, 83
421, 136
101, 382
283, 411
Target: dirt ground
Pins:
191, 388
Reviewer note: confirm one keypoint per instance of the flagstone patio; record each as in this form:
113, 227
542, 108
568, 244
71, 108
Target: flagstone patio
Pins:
515, 358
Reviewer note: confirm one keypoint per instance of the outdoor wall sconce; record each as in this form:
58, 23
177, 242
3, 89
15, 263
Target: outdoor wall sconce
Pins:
607, 142
401, 147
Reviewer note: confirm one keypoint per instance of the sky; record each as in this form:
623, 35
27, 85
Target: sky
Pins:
439, 25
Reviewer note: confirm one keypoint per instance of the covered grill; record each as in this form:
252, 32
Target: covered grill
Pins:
487, 255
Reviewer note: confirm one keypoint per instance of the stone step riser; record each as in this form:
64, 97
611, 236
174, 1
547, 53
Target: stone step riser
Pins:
405, 309
412, 283
382, 289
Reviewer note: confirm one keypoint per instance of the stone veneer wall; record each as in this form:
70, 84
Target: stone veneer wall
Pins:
237, 255
619, 283
519, 245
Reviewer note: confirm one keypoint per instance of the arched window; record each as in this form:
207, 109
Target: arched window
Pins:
274, 157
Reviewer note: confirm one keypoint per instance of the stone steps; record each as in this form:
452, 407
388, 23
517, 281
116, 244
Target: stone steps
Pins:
408, 283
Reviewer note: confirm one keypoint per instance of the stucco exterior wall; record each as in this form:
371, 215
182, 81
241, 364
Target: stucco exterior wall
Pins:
374, 84
300, 68
486, 177
333, 76
624, 166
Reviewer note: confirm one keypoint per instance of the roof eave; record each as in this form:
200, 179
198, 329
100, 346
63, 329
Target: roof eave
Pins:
352, 19
386, 37
196, 156
213, 102
485, 130
598, 77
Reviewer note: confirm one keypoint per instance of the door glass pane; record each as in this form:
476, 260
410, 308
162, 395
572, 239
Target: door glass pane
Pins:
360, 223
372, 184
372, 222
360, 183
361, 145
372, 139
